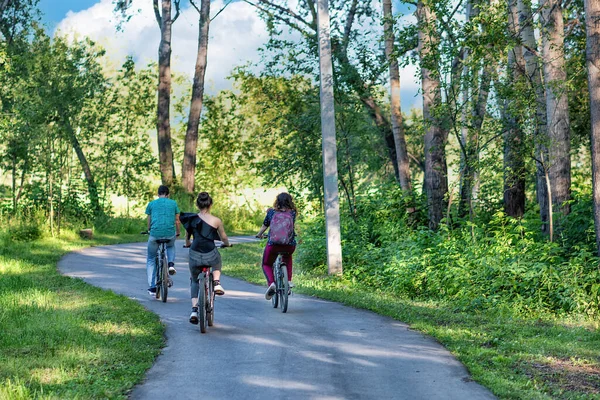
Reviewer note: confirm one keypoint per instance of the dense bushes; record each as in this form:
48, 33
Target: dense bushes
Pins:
492, 262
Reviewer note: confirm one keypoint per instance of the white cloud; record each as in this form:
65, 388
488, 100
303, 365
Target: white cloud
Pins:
235, 36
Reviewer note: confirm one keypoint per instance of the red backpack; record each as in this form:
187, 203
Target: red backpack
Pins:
282, 228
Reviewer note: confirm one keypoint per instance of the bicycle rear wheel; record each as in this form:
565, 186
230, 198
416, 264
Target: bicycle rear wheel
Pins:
202, 303
211, 302
157, 277
285, 288
164, 279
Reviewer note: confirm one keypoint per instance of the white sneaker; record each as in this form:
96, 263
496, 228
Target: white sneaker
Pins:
218, 289
172, 271
291, 284
270, 291
194, 317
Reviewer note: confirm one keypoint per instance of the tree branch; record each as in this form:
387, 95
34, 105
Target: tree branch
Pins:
348, 25
157, 13
177, 10
271, 14
221, 10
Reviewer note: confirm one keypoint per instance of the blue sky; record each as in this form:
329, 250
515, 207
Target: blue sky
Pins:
55, 11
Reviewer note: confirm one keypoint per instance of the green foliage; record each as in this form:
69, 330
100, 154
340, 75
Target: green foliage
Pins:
493, 263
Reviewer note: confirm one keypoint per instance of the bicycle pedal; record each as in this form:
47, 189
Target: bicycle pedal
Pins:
169, 282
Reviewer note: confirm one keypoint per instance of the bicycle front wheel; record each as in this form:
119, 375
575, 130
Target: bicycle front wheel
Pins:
285, 288
164, 279
202, 303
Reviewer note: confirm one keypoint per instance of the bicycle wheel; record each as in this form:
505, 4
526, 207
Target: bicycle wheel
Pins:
202, 303
157, 276
285, 287
211, 302
164, 279
275, 298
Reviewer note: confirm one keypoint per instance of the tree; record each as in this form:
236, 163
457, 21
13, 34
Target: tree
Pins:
557, 105
191, 136
163, 123
330, 172
436, 136
592, 24
514, 138
395, 105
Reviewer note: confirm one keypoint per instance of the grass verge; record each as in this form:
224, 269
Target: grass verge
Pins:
513, 356
61, 338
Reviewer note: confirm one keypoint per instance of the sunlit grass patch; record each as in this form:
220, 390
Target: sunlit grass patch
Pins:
62, 338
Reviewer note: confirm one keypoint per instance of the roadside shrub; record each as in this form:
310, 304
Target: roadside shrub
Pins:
494, 262
24, 232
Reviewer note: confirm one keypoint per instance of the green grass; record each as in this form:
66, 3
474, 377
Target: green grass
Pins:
515, 357
61, 338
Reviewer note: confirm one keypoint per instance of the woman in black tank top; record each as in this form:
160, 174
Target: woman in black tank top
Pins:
205, 229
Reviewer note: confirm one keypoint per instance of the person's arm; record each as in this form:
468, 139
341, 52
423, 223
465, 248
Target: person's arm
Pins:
223, 235
149, 222
261, 231
177, 225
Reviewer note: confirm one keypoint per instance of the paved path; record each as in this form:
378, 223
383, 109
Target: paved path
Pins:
318, 350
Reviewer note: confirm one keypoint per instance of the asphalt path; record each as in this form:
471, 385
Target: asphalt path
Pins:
317, 350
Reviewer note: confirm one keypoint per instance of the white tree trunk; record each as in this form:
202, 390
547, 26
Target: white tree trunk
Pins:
330, 171
592, 23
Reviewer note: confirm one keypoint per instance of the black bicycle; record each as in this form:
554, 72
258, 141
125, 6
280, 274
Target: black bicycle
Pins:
206, 297
163, 282
282, 285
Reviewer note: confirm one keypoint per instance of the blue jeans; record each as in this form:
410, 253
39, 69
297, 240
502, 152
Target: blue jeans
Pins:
151, 259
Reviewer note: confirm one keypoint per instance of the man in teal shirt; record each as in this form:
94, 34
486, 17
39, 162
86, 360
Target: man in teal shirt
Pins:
163, 223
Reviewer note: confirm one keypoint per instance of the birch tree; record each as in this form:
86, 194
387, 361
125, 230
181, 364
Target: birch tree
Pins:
330, 178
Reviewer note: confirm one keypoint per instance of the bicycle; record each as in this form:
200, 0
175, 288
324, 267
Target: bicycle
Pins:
282, 285
206, 297
163, 282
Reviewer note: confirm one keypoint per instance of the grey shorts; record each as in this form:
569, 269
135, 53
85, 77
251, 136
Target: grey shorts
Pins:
197, 259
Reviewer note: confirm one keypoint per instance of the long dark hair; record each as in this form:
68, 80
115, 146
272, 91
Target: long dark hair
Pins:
284, 201
204, 200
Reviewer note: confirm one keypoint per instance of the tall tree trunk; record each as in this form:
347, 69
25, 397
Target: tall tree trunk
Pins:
163, 124
85, 166
436, 170
188, 172
475, 95
557, 104
395, 103
514, 162
534, 78
592, 23
330, 170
